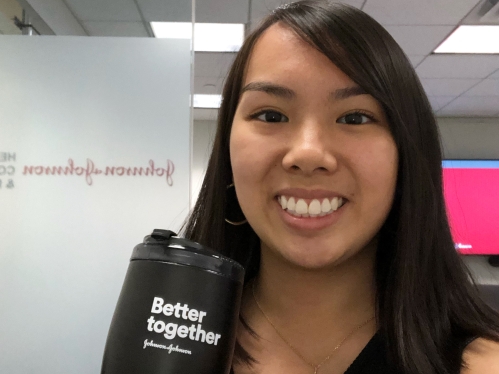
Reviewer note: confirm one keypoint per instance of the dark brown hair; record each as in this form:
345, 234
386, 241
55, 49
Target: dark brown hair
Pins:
427, 305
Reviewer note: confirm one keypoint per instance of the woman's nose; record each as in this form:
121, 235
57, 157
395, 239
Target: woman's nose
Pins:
310, 151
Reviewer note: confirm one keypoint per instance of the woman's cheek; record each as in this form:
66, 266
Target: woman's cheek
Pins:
383, 172
247, 149
239, 155
243, 164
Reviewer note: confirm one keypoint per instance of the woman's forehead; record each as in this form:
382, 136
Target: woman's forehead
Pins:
277, 44
280, 55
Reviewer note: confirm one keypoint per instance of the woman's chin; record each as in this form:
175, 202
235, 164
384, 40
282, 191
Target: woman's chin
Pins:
314, 258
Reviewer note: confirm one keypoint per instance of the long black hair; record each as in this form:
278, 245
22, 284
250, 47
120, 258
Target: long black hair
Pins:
426, 302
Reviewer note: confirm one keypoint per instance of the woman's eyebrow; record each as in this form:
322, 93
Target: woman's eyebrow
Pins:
270, 88
345, 93
287, 93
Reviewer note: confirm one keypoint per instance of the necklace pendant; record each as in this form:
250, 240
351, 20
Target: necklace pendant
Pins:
315, 370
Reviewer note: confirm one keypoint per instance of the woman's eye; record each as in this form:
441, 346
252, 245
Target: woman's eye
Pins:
271, 116
356, 118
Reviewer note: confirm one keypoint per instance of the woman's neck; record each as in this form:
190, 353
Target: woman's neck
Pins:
332, 300
308, 317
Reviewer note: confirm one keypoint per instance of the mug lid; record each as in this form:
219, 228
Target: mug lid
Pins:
166, 246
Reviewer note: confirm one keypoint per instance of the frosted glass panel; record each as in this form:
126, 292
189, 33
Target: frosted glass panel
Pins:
94, 154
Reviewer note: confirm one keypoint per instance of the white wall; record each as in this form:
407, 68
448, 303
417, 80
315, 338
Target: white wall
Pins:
203, 135
472, 138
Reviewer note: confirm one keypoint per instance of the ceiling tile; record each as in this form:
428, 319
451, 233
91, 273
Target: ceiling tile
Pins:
109, 10
8, 10
438, 102
205, 114
212, 64
208, 85
447, 87
419, 12
471, 107
458, 66
488, 87
354, 3
129, 29
419, 40
222, 11
7, 27
260, 8
166, 10
416, 59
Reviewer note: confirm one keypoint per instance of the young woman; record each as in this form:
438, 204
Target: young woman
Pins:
325, 183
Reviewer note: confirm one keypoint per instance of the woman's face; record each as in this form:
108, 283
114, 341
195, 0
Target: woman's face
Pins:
313, 159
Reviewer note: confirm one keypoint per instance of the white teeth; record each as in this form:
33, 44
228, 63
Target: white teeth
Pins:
314, 207
325, 206
334, 203
301, 207
283, 202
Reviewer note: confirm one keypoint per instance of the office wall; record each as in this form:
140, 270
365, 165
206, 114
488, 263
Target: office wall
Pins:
470, 138
203, 135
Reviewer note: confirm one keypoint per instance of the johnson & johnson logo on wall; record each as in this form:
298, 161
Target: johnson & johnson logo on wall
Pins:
89, 171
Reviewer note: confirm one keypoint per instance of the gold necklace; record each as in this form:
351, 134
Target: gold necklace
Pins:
315, 367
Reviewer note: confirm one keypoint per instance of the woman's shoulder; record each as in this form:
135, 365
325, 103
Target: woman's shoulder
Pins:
481, 356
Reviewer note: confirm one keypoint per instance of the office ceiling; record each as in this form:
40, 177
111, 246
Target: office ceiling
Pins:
457, 85
8, 10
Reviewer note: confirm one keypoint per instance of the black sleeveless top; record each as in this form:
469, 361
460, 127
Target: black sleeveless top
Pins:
373, 358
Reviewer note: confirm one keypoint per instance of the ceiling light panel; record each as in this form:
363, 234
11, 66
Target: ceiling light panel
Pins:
208, 37
472, 39
428, 37
207, 101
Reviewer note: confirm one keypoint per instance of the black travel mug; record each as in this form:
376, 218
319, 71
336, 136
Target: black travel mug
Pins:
177, 312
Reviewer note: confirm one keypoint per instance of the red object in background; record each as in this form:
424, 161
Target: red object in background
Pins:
471, 190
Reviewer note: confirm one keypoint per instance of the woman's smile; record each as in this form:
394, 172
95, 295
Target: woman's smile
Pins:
306, 214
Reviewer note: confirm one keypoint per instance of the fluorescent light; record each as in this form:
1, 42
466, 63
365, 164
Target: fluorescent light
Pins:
471, 39
172, 30
208, 37
207, 101
218, 37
